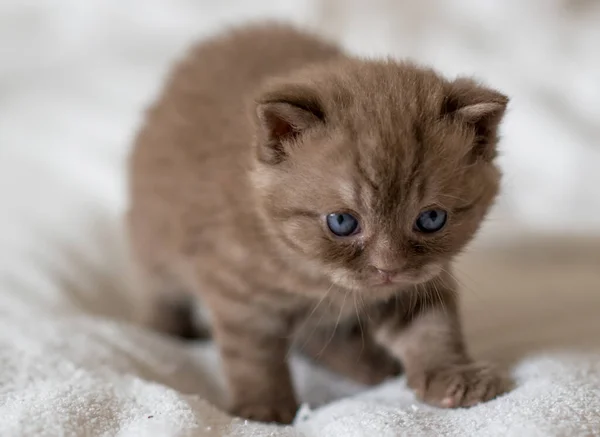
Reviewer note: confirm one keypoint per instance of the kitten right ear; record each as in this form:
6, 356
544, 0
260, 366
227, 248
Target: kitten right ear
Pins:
282, 115
480, 107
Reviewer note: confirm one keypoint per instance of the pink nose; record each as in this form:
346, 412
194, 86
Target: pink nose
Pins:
387, 271
386, 275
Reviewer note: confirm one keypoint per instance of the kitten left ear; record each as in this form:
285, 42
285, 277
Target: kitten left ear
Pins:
481, 108
282, 115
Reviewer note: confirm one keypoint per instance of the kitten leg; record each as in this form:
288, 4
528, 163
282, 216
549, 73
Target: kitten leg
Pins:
428, 340
351, 352
253, 348
173, 317
166, 308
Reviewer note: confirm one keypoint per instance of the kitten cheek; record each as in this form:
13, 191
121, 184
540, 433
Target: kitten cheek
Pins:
424, 273
345, 279
430, 271
300, 236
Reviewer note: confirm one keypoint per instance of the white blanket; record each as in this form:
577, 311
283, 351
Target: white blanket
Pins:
70, 364
73, 79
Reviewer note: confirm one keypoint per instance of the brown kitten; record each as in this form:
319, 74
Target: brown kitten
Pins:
265, 143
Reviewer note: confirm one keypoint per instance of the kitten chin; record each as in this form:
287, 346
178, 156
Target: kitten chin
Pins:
274, 169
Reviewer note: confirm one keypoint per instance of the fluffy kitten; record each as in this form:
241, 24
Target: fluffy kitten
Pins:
297, 189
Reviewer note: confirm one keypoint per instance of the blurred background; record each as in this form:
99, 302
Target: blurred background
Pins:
75, 77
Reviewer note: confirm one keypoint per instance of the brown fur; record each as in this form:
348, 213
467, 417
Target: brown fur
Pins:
258, 135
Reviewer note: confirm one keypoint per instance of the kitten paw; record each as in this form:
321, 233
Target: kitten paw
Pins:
459, 385
283, 414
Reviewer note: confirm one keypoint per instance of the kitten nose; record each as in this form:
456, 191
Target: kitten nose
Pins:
386, 260
386, 274
385, 271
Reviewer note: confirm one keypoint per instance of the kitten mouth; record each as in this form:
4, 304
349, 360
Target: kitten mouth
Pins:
406, 279
390, 282
362, 283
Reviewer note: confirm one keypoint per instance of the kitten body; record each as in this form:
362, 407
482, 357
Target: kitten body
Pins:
258, 136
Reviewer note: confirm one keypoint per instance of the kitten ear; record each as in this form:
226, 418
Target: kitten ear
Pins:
282, 115
480, 107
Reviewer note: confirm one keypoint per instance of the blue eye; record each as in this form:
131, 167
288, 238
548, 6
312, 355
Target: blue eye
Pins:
431, 221
342, 224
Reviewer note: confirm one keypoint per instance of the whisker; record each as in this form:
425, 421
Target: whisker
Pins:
362, 333
461, 283
337, 322
462, 272
364, 307
428, 300
305, 322
439, 296
422, 295
412, 303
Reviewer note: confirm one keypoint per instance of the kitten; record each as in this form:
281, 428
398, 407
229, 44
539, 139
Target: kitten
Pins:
315, 199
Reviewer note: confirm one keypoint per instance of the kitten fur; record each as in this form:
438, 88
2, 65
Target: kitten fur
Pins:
260, 133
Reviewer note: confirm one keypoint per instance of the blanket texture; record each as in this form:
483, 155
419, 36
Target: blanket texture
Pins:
75, 77
71, 364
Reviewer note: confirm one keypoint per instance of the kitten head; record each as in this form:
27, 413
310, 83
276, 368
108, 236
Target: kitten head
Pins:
378, 173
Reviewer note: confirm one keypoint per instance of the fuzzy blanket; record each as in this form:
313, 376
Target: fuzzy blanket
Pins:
71, 364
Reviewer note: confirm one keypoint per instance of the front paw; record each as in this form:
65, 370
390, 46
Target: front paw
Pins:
283, 413
461, 385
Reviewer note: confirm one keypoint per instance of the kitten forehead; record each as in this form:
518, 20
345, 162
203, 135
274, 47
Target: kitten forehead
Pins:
366, 96
388, 113
391, 117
